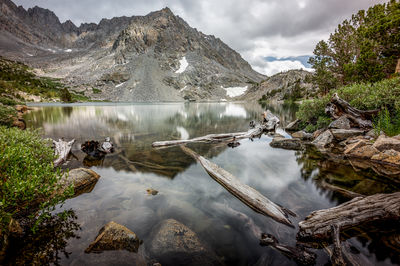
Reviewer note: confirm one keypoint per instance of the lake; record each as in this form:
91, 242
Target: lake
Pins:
186, 193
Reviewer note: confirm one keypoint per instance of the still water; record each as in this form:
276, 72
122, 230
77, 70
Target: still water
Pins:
186, 192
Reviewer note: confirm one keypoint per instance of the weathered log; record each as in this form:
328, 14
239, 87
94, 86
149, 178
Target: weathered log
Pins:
299, 253
61, 150
339, 107
358, 211
337, 254
245, 193
269, 123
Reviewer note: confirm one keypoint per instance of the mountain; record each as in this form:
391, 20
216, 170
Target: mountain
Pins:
157, 57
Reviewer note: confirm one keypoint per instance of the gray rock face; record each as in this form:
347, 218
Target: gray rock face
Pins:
341, 123
342, 134
288, 144
175, 244
114, 236
157, 57
323, 140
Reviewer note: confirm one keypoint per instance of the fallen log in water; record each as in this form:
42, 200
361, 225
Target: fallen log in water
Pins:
299, 253
246, 194
61, 150
269, 123
360, 210
359, 118
344, 192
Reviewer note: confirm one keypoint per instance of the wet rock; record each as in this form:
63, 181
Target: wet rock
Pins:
388, 156
82, 179
386, 143
114, 236
288, 144
342, 134
323, 140
293, 126
302, 135
175, 244
340, 123
363, 152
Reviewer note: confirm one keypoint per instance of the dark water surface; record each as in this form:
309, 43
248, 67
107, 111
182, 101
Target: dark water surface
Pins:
186, 192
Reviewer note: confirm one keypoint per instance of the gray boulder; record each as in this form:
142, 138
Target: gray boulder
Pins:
173, 243
342, 134
340, 123
293, 126
82, 179
287, 144
302, 135
323, 140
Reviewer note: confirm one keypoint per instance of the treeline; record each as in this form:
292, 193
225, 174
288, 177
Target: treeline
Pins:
365, 48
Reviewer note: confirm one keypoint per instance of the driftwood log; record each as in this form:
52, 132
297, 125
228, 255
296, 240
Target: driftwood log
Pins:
269, 123
299, 253
246, 194
344, 192
61, 150
359, 118
361, 210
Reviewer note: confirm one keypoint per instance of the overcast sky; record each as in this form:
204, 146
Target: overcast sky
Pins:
269, 34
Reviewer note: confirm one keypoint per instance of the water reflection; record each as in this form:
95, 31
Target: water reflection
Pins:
186, 193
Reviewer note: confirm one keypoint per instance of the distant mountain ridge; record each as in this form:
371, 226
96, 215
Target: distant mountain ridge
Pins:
156, 57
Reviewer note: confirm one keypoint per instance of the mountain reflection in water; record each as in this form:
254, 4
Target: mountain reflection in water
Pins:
186, 193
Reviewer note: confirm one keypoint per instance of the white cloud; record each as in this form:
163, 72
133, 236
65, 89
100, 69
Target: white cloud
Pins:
271, 68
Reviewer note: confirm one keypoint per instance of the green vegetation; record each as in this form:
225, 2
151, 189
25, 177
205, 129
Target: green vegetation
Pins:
390, 124
28, 180
65, 96
6, 115
362, 49
95, 90
383, 95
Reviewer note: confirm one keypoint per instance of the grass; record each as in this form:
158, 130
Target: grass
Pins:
6, 115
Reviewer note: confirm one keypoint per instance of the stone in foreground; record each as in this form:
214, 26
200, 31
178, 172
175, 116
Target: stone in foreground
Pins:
82, 179
323, 140
288, 144
114, 236
175, 244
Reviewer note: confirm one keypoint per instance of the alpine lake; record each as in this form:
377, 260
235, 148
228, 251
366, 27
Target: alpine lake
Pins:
180, 188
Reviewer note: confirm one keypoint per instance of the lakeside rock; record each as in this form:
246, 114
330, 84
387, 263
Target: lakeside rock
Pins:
384, 143
340, 123
324, 140
173, 243
342, 134
302, 135
114, 236
293, 126
82, 179
285, 143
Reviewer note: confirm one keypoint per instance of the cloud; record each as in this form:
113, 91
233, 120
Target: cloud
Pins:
255, 28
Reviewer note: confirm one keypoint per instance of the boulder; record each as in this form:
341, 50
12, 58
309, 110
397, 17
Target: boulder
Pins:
82, 179
21, 108
388, 156
323, 140
342, 134
173, 243
302, 135
340, 123
288, 144
293, 126
318, 132
353, 146
363, 152
114, 236
386, 143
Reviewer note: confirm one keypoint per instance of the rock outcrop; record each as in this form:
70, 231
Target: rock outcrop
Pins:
157, 57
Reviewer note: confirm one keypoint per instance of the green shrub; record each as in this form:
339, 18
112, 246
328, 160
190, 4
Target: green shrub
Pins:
28, 180
65, 96
95, 90
7, 101
6, 115
387, 123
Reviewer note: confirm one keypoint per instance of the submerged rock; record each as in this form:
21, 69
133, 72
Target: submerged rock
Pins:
82, 179
175, 244
114, 236
289, 144
340, 123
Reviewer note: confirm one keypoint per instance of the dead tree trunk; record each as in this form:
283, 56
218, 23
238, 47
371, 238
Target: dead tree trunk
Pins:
269, 123
339, 107
246, 194
61, 150
360, 210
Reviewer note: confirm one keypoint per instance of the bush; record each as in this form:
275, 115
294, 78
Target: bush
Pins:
6, 115
7, 101
95, 90
28, 180
364, 96
65, 96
